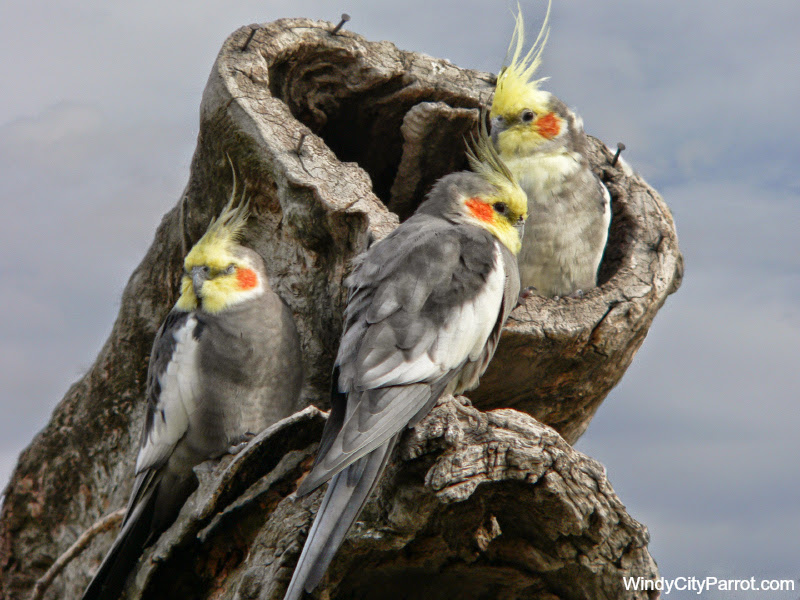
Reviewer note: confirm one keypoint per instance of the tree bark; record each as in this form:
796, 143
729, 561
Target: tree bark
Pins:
327, 131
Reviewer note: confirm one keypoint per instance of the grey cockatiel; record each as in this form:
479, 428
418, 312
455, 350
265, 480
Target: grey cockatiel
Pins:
543, 143
425, 310
225, 365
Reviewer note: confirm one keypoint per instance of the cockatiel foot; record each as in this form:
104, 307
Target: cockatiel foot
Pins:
205, 468
525, 294
576, 295
239, 446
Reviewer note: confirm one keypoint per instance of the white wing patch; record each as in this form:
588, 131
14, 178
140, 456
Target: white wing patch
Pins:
180, 387
606, 206
462, 336
465, 333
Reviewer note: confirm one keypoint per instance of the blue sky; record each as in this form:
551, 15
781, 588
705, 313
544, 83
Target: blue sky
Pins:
98, 122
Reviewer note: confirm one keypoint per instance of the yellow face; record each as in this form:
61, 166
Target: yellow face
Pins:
523, 111
502, 211
214, 279
218, 272
526, 125
503, 215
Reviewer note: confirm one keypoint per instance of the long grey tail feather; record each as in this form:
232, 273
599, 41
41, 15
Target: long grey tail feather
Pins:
348, 492
110, 578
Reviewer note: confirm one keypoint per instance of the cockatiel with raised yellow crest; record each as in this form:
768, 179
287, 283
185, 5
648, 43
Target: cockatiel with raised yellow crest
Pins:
423, 318
225, 365
543, 143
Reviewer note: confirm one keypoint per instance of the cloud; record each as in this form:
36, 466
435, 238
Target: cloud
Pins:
87, 193
687, 86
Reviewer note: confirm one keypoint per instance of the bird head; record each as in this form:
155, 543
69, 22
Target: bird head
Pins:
526, 119
218, 272
489, 197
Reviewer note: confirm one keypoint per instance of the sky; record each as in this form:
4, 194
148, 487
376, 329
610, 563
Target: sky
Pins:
98, 122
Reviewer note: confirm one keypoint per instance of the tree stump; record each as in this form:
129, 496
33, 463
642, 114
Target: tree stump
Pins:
329, 132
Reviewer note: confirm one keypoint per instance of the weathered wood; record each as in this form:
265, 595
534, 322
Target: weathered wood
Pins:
474, 505
314, 123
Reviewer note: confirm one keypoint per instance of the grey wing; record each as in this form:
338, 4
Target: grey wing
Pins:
172, 389
419, 309
165, 424
601, 234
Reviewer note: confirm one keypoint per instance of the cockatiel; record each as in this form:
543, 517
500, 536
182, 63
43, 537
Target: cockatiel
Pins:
425, 310
225, 365
544, 145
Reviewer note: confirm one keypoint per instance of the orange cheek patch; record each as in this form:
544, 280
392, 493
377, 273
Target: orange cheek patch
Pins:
480, 209
548, 125
247, 279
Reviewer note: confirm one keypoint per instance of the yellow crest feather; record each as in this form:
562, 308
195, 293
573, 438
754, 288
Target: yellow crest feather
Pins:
486, 162
516, 89
225, 229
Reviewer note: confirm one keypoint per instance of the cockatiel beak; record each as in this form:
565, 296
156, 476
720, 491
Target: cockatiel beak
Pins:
498, 127
520, 227
199, 277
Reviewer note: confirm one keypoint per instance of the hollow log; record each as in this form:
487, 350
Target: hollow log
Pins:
330, 132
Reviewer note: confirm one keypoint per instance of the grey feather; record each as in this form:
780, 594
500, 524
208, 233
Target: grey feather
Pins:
213, 380
569, 210
566, 234
110, 578
407, 293
346, 495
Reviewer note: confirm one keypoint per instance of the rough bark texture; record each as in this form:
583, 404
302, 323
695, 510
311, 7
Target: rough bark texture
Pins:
476, 505
327, 131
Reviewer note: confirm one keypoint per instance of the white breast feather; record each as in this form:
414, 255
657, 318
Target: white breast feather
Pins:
541, 175
465, 333
606, 207
179, 391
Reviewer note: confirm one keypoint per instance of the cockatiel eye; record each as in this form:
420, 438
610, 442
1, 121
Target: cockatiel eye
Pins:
527, 115
500, 207
230, 270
